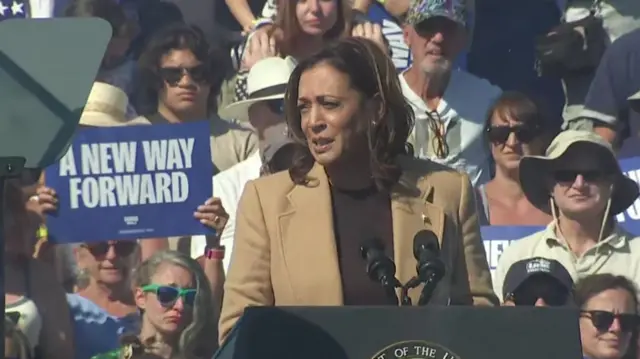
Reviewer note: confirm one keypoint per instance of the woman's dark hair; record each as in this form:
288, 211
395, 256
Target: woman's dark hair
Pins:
287, 21
373, 75
16, 217
108, 10
595, 284
517, 106
173, 37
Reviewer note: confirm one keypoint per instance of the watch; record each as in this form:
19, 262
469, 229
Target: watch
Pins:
216, 252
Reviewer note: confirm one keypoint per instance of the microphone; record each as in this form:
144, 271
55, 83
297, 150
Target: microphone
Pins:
430, 267
380, 268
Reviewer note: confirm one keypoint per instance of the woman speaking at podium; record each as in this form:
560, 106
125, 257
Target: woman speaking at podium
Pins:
299, 233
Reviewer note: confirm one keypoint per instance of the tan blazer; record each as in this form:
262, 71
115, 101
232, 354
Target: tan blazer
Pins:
284, 230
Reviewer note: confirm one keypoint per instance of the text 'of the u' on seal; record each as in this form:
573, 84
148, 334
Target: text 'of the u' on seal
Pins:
415, 349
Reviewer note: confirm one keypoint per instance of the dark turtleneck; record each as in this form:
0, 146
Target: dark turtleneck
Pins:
360, 215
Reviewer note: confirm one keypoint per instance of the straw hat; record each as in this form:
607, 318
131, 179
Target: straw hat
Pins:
534, 170
634, 102
106, 107
267, 80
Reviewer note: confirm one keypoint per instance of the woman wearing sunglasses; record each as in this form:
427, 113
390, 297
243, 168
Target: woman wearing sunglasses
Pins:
515, 128
178, 312
608, 315
104, 307
580, 184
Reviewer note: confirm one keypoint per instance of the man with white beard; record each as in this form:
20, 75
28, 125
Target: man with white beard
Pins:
450, 105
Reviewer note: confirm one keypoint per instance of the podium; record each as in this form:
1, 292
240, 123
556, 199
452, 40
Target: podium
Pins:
430, 332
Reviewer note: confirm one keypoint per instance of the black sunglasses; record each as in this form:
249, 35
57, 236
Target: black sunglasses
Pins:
602, 320
551, 295
121, 248
500, 134
437, 24
588, 175
173, 75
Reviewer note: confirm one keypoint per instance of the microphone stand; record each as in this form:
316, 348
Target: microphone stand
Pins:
404, 292
429, 287
390, 288
427, 291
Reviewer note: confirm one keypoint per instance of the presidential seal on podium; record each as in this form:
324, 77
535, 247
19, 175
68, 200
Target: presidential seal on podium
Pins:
415, 349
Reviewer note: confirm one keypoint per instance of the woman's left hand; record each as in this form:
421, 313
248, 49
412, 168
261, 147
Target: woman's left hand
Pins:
212, 215
370, 31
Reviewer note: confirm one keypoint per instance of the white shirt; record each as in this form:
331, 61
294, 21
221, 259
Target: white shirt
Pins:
29, 322
228, 185
619, 16
462, 111
270, 9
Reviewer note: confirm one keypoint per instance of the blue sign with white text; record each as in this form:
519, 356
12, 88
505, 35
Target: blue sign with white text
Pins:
497, 238
392, 31
630, 218
131, 182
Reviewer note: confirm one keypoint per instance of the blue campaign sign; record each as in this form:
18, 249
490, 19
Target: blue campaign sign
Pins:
630, 219
497, 238
131, 182
392, 31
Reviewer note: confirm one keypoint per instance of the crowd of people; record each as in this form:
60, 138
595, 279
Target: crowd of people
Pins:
319, 144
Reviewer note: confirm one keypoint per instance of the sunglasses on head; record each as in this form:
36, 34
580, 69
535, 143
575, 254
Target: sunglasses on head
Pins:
121, 248
523, 133
168, 295
173, 75
587, 175
602, 320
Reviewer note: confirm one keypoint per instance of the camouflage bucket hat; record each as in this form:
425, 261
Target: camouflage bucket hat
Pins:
421, 10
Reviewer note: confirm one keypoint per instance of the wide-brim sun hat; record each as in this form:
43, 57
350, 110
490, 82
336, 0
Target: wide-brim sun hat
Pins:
536, 170
267, 80
106, 107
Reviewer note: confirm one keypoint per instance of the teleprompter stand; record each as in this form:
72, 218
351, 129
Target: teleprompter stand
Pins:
47, 68
430, 332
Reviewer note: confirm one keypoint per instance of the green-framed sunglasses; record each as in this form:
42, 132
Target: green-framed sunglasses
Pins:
168, 295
